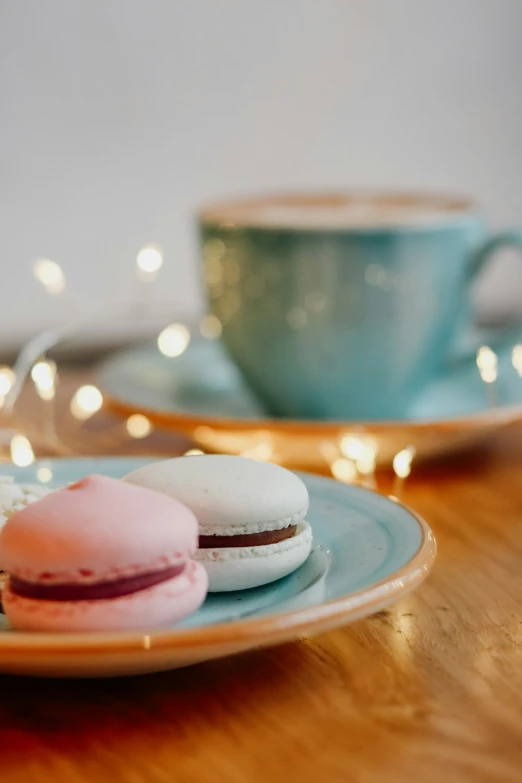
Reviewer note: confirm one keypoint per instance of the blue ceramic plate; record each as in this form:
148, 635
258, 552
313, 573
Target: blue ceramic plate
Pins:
369, 551
202, 393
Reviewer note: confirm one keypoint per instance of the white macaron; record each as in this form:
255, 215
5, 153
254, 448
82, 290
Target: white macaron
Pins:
251, 514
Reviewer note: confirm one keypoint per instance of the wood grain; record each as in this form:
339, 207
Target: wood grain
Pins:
429, 691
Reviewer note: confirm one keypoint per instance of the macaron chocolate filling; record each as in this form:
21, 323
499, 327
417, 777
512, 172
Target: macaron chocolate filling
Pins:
69, 591
248, 539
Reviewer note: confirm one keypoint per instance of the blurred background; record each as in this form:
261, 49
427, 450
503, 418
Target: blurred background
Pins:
120, 117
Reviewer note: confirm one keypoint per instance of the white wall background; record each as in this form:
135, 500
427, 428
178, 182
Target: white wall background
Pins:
119, 116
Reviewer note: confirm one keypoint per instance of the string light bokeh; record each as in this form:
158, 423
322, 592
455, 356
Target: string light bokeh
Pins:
43, 374
87, 401
7, 379
173, 340
487, 363
516, 358
138, 426
22, 453
50, 275
149, 262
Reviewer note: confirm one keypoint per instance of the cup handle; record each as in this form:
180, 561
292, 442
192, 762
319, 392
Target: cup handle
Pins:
512, 238
500, 338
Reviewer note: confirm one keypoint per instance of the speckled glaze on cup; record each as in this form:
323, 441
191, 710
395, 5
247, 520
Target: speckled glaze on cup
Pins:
343, 306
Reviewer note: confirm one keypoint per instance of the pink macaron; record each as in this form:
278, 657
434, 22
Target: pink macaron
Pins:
101, 555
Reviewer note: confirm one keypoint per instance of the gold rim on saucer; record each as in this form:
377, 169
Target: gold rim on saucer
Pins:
304, 445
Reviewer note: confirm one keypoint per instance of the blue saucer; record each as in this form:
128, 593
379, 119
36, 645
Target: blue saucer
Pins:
201, 393
203, 382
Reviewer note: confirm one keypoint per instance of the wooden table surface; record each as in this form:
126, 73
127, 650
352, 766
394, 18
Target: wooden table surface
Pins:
429, 690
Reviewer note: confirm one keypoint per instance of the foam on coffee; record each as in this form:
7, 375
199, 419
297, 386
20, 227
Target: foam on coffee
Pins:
337, 211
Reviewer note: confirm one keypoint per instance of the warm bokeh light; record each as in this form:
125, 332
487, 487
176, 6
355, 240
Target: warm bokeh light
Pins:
210, 327
138, 426
516, 358
351, 446
366, 464
173, 340
44, 474
50, 275
7, 379
260, 451
86, 401
46, 394
487, 363
43, 374
344, 470
402, 462
357, 448
21, 451
361, 450
149, 262
193, 453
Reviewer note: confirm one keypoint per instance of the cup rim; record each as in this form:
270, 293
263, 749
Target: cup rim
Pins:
237, 213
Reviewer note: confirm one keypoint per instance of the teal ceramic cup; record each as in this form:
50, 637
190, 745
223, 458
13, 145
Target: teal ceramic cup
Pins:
343, 306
